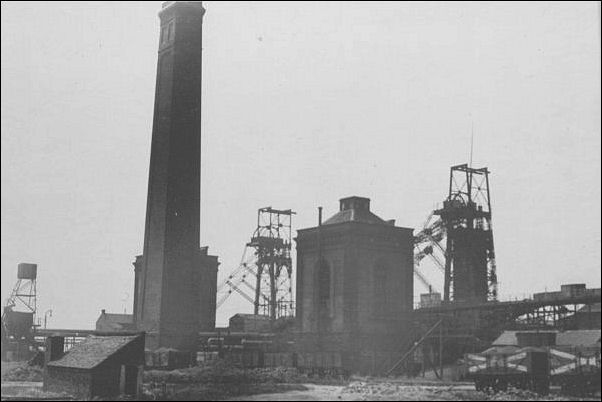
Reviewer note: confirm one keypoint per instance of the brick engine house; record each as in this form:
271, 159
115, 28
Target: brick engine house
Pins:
354, 288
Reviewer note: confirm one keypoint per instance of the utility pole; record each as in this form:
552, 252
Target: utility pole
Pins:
441, 351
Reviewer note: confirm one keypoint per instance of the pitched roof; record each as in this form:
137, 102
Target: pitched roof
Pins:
507, 338
116, 322
580, 337
92, 351
354, 215
118, 318
504, 350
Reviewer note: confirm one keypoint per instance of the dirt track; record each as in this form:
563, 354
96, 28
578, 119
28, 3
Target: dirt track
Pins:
361, 391
395, 390
313, 393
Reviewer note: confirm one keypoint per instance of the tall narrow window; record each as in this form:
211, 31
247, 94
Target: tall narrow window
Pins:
170, 31
163, 36
324, 286
167, 33
382, 302
324, 297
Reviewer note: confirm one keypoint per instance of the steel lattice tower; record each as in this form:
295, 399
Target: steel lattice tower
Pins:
470, 271
266, 267
20, 309
272, 244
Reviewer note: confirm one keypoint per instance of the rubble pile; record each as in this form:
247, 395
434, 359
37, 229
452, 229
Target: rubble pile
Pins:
390, 391
218, 379
222, 372
24, 373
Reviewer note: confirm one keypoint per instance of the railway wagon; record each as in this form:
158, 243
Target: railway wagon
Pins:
498, 368
576, 369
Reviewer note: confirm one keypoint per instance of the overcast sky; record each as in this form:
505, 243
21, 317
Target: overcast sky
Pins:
303, 103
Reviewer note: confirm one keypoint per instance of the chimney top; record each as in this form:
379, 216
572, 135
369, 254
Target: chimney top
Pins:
167, 7
168, 4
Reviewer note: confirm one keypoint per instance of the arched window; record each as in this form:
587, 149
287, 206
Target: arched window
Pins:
324, 304
382, 302
324, 286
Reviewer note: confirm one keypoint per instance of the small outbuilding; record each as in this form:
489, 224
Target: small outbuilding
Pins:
110, 322
99, 366
582, 338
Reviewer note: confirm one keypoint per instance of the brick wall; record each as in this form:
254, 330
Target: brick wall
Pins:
74, 382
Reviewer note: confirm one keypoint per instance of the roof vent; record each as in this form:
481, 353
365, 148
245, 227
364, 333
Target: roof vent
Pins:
356, 203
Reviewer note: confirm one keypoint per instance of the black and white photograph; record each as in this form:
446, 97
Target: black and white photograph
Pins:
301, 200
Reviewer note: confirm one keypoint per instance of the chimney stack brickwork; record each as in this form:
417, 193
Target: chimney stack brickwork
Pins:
174, 279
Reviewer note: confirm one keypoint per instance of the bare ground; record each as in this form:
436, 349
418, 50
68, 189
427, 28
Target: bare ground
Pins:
220, 382
385, 390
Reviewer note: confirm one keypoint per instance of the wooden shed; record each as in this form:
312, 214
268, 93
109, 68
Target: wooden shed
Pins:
99, 366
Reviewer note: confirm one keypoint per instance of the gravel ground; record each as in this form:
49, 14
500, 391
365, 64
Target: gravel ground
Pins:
382, 390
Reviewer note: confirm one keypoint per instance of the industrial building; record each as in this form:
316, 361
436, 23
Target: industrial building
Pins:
355, 271
588, 338
111, 322
98, 366
353, 309
354, 286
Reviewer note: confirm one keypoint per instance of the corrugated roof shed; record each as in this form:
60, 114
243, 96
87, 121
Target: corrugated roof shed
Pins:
582, 337
507, 338
92, 351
